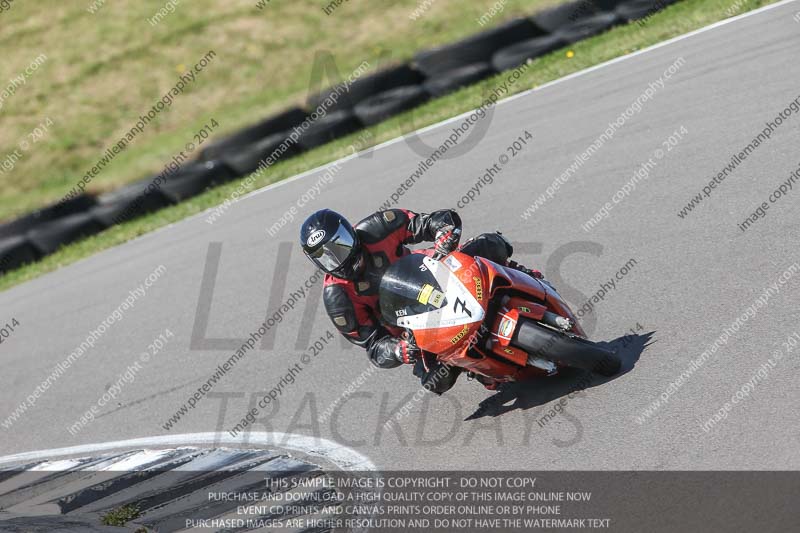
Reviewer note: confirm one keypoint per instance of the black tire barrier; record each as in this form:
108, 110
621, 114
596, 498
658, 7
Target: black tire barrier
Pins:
50, 236
365, 87
390, 103
553, 19
27, 222
127, 208
15, 252
327, 128
516, 55
608, 5
129, 202
249, 157
195, 178
478, 48
369, 100
639, 9
588, 27
251, 134
455, 79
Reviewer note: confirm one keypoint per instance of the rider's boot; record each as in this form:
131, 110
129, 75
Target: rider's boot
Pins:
487, 382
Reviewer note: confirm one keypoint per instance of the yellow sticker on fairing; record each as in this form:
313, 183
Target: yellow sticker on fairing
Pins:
478, 288
461, 335
436, 299
424, 294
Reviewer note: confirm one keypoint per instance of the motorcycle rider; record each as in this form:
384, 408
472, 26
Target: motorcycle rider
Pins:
355, 258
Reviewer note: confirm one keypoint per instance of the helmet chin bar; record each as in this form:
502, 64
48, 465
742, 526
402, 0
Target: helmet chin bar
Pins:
350, 272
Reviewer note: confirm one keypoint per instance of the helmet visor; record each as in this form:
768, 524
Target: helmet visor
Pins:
335, 253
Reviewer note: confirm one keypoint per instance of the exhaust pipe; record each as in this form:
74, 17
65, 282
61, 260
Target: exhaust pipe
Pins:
557, 321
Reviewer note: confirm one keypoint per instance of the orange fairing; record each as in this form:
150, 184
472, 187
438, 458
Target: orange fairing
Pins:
447, 316
499, 277
509, 352
456, 339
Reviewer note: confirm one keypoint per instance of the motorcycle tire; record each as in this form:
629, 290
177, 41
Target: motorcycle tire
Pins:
566, 350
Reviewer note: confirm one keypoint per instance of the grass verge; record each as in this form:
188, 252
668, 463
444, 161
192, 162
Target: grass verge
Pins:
100, 64
121, 515
675, 20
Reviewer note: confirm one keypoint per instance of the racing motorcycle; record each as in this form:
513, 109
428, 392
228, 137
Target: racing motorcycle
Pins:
495, 322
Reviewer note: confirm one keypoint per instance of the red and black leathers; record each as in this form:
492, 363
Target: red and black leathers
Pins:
353, 304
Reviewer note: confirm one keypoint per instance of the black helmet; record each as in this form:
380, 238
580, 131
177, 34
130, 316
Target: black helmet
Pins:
332, 244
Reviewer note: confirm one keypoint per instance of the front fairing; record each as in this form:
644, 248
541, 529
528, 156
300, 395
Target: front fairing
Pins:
502, 277
442, 302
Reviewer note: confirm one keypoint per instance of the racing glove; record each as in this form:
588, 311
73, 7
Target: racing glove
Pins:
446, 240
407, 351
529, 271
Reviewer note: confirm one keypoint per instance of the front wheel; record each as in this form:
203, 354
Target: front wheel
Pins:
540, 341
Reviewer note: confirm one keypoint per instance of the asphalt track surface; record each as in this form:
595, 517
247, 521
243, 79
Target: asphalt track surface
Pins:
692, 278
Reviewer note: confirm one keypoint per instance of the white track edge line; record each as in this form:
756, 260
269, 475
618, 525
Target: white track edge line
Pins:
444, 122
343, 457
551, 83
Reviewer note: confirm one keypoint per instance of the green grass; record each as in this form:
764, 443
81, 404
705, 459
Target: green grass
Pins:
121, 515
103, 70
240, 107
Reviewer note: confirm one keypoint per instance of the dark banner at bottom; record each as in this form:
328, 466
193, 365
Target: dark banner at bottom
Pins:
310, 499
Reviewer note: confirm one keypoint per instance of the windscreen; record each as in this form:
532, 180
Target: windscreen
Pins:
409, 288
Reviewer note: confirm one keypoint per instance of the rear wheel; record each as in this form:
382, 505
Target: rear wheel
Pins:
560, 348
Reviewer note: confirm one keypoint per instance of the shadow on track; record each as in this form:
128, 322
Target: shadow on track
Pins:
529, 394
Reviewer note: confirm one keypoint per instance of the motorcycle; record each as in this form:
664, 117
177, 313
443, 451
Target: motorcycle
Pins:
496, 323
